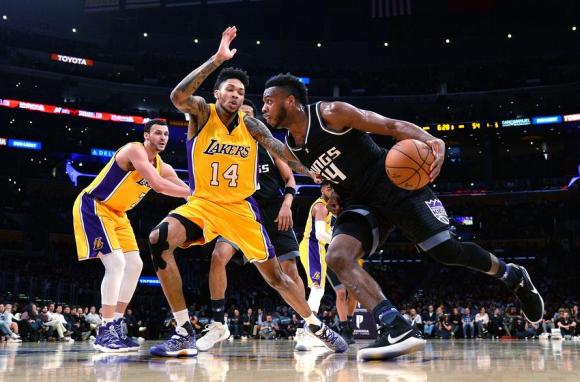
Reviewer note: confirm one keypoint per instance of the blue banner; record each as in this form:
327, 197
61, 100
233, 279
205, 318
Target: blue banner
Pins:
24, 144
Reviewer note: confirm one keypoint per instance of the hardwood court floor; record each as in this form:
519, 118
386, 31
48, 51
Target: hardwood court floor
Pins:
257, 361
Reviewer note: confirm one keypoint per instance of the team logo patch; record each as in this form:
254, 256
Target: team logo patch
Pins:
438, 210
98, 244
316, 276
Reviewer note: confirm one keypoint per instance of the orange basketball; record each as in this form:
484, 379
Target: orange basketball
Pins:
408, 163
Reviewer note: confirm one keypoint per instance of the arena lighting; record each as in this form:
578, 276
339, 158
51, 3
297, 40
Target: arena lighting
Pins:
74, 30
572, 117
319, 45
516, 122
509, 35
304, 80
573, 27
145, 34
546, 120
386, 44
447, 41
4, 17
73, 112
258, 42
195, 40
3, 141
102, 152
149, 280
71, 60
24, 144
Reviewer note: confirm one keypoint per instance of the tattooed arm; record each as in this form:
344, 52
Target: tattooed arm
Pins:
182, 96
261, 133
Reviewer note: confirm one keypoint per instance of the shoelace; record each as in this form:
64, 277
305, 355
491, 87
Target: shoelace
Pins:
212, 334
120, 331
328, 335
110, 334
176, 341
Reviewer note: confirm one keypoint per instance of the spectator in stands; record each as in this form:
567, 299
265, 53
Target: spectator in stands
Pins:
547, 322
566, 324
429, 321
467, 324
268, 329
8, 328
93, 319
30, 323
132, 323
248, 321
524, 328
294, 324
481, 322
455, 319
53, 323
259, 322
444, 329
496, 328
415, 319
575, 316
236, 324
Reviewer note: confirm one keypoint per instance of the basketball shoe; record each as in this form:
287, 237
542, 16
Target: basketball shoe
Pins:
347, 333
108, 340
214, 333
332, 340
529, 297
131, 345
181, 344
302, 340
394, 340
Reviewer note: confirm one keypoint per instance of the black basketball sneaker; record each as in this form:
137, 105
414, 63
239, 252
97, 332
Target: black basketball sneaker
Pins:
347, 333
530, 299
394, 340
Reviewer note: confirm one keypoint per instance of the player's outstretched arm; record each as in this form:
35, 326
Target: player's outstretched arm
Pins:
138, 158
340, 115
261, 133
169, 173
182, 95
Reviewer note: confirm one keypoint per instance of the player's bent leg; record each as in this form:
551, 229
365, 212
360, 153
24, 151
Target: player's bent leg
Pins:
290, 292
290, 267
396, 335
163, 240
217, 331
471, 255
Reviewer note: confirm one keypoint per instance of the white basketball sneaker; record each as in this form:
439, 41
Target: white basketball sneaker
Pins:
214, 333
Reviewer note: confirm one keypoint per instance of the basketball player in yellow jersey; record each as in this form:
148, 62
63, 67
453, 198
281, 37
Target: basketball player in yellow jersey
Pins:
222, 158
103, 231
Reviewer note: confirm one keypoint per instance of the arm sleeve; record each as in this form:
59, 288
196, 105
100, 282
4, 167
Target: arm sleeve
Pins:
321, 233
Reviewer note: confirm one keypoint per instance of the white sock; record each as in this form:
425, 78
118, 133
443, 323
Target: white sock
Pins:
117, 315
312, 320
314, 298
107, 320
181, 317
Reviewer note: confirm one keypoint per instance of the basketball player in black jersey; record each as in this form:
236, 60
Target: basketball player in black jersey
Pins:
331, 139
274, 198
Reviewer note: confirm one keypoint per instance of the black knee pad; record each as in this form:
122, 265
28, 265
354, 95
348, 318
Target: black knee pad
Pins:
161, 245
453, 252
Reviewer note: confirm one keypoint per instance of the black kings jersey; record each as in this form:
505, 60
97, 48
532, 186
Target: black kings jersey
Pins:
351, 160
271, 183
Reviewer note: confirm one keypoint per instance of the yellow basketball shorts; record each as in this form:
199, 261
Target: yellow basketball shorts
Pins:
99, 229
313, 259
238, 222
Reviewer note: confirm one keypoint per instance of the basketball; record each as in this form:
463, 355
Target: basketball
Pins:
408, 163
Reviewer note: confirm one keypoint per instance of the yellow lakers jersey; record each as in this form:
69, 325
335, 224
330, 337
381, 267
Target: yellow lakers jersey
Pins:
222, 164
309, 232
118, 189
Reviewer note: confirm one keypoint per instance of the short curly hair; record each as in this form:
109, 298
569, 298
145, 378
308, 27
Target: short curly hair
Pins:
291, 84
231, 72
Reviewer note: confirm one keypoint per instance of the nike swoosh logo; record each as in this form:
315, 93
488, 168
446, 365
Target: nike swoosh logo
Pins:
398, 338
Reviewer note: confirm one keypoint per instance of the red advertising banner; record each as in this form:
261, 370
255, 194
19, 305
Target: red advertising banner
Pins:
71, 59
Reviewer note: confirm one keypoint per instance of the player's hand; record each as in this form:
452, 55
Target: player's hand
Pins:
317, 178
224, 52
438, 147
284, 218
334, 204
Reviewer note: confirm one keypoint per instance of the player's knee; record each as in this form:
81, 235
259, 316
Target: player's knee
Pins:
289, 267
158, 243
339, 259
341, 294
278, 281
154, 236
219, 258
134, 262
450, 252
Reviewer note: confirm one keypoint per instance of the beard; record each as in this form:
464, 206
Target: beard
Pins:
280, 118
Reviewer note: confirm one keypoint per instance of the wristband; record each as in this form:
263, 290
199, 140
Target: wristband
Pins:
290, 190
